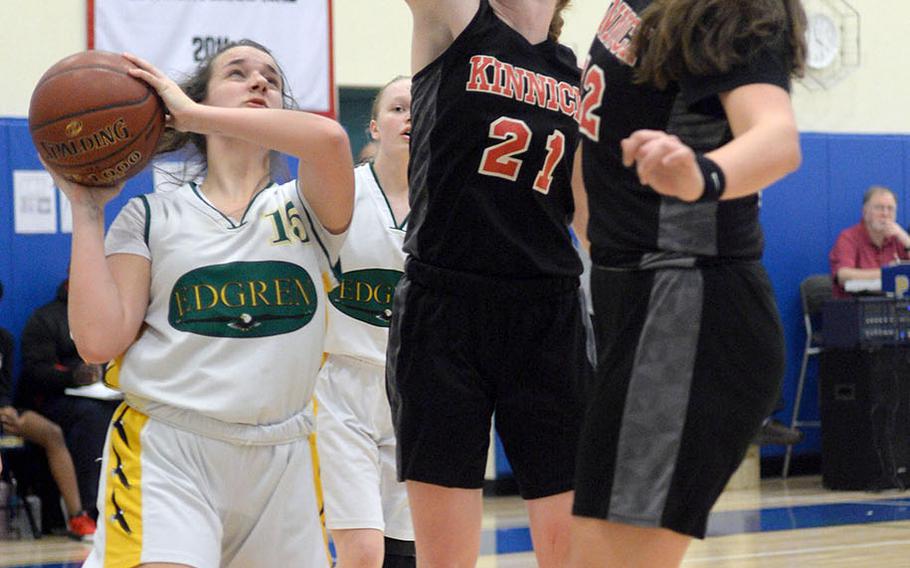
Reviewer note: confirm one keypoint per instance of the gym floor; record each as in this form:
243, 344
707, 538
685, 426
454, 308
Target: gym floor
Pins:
793, 523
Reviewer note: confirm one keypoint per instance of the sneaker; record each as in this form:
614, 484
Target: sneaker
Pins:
82, 527
776, 432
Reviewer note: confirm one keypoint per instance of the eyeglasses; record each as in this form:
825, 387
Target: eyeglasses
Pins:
878, 207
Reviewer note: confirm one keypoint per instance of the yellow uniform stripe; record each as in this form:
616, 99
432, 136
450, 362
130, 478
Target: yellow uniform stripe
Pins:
123, 490
111, 375
317, 479
317, 471
326, 282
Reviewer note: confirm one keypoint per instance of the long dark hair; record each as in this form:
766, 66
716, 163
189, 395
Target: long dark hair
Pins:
706, 37
194, 145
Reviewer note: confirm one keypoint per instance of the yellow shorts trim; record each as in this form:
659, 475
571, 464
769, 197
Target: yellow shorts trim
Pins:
123, 489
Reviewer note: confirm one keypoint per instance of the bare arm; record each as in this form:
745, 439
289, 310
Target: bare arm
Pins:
321, 144
846, 273
436, 25
327, 178
580, 195
765, 147
108, 297
895, 230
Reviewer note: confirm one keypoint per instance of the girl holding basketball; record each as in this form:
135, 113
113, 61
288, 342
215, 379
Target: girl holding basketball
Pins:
209, 299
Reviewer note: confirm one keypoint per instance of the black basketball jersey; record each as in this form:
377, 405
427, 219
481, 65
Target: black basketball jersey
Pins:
492, 142
632, 226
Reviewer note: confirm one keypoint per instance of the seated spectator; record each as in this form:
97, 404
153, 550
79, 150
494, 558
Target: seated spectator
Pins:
52, 364
876, 241
6, 357
37, 429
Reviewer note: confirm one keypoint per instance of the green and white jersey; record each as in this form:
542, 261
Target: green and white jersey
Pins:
372, 262
236, 318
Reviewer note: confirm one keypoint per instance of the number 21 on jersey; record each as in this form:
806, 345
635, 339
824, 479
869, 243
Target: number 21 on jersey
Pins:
499, 160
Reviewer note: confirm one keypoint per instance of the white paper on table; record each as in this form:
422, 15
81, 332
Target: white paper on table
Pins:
35, 203
95, 390
863, 285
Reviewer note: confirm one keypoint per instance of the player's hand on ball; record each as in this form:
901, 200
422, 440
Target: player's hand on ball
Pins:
83, 195
179, 105
664, 163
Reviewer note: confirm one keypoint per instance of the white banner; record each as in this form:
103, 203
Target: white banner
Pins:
176, 35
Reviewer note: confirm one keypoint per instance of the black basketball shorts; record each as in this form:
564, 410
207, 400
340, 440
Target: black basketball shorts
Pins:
689, 365
463, 347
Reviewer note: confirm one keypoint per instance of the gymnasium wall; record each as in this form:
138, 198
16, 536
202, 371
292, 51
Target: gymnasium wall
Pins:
372, 45
855, 134
802, 216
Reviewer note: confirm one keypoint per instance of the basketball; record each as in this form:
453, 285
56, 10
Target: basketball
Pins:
92, 122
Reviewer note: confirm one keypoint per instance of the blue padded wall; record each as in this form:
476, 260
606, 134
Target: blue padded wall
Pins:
802, 215
795, 221
6, 222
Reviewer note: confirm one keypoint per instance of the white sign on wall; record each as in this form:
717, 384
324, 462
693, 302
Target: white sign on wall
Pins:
35, 202
66, 212
175, 35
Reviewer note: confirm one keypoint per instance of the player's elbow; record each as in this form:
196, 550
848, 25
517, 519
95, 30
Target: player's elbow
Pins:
790, 155
97, 349
95, 356
793, 156
336, 140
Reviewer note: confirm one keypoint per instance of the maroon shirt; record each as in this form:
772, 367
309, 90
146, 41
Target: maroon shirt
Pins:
854, 249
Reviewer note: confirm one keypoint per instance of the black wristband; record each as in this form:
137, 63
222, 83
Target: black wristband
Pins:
715, 182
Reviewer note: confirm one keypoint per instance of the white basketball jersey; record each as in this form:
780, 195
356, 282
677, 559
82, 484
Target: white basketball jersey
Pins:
236, 316
371, 262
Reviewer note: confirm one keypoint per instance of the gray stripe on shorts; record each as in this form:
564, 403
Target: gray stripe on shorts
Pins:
689, 228
657, 398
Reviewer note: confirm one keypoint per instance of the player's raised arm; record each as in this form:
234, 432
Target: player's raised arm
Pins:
436, 25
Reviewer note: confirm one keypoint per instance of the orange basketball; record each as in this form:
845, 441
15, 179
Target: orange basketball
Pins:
92, 122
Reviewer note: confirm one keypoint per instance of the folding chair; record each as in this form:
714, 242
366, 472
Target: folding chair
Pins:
12, 447
814, 291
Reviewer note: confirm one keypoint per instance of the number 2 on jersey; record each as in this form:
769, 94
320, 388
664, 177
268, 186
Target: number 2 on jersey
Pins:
499, 159
593, 85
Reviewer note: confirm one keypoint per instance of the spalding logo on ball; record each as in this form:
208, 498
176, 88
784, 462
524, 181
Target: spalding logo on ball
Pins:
92, 122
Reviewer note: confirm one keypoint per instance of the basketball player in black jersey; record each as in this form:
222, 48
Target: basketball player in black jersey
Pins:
487, 317
685, 117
